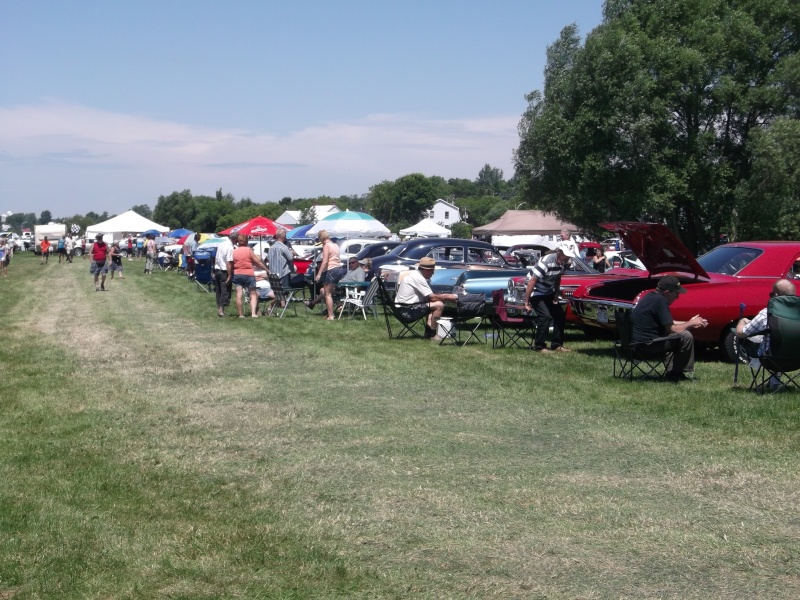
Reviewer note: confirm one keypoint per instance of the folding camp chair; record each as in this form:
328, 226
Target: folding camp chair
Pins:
203, 265
409, 317
166, 262
284, 297
469, 315
510, 331
639, 359
779, 365
359, 299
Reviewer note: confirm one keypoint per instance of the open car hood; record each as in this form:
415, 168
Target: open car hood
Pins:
657, 247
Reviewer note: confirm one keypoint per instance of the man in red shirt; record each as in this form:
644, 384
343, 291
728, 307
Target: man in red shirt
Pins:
99, 268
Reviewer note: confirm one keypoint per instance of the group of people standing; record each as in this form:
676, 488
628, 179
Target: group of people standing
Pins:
236, 264
64, 247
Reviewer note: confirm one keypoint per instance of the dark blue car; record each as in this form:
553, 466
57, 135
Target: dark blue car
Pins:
449, 253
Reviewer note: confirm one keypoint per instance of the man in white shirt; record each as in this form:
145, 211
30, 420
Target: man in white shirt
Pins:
415, 298
223, 274
568, 245
69, 247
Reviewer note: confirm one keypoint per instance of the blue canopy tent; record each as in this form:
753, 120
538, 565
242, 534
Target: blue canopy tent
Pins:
299, 233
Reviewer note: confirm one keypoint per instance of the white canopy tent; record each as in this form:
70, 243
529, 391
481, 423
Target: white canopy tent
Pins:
426, 228
127, 222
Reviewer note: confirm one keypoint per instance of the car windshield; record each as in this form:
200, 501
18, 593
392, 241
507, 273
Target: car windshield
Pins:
728, 260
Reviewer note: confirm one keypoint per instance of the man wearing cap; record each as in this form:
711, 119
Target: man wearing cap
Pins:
542, 293
415, 298
652, 319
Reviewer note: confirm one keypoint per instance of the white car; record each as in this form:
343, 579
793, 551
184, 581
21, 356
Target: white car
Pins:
351, 247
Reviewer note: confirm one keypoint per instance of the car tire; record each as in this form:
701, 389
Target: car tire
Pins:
727, 349
77, 252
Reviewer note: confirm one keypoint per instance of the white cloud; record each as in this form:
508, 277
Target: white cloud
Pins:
71, 159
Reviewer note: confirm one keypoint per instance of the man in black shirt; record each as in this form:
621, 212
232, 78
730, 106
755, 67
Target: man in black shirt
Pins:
652, 319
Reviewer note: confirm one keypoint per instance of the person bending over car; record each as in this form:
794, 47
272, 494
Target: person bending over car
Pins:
652, 319
542, 297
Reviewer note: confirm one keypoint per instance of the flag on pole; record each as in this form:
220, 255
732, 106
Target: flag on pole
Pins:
75, 228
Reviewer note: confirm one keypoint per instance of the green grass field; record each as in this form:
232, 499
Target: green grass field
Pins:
152, 450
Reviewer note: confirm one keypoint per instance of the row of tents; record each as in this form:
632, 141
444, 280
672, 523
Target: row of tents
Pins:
351, 224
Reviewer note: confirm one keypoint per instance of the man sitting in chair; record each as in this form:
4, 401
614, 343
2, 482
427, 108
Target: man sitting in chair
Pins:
652, 319
415, 298
748, 331
356, 272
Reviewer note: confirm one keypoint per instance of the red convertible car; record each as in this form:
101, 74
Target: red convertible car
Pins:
716, 283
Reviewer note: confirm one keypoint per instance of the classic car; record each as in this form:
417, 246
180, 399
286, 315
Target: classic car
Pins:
378, 249
577, 274
448, 252
717, 283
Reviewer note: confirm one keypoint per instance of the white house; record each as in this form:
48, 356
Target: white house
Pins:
292, 217
444, 213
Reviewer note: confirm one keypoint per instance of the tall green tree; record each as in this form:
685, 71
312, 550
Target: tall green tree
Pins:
45, 217
308, 216
143, 210
490, 180
651, 118
402, 202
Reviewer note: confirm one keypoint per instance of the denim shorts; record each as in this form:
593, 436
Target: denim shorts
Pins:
334, 275
98, 267
248, 282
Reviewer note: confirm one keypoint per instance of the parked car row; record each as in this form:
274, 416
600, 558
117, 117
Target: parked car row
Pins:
717, 282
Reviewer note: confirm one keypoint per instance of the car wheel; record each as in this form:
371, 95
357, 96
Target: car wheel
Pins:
727, 348
77, 252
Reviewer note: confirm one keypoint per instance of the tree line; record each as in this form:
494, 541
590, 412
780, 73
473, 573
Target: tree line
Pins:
398, 204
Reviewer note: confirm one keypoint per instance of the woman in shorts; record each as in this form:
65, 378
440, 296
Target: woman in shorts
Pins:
330, 271
244, 275
116, 261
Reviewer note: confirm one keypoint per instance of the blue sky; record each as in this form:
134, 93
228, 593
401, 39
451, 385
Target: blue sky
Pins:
105, 105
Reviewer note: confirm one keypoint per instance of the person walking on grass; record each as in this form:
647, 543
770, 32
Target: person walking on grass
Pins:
45, 246
329, 273
99, 265
69, 247
116, 261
